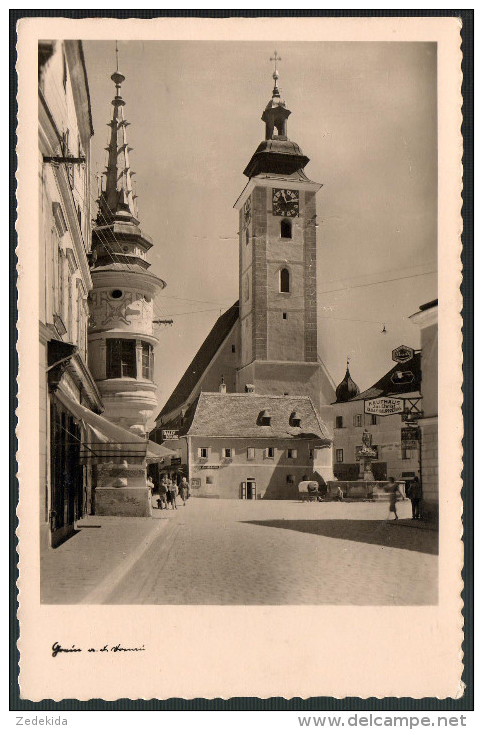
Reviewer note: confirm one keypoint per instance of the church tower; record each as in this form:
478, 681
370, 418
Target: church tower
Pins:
121, 339
277, 267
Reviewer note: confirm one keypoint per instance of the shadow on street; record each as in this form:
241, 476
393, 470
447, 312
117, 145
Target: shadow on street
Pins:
374, 532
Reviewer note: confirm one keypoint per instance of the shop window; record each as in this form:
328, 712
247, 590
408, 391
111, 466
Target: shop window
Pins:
291, 453
339, 422
286, 229
373, 419
147, 360
227, 453
250, 453
121, 359
269, 452
284, 281
203, 452
339, 456
358, 419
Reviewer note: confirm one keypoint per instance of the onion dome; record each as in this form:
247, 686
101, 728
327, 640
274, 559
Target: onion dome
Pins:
346, 389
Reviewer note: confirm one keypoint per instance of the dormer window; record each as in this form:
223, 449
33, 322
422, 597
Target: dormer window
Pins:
285, 229
264, 419
295, 419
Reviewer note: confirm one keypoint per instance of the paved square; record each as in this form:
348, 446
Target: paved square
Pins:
232, 552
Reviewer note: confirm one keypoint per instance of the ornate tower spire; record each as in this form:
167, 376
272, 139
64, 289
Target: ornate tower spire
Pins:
117, 236
118, 199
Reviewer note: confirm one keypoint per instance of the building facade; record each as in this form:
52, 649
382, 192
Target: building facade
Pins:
427, 321
249, 446
121, 336
65, 130
395, 457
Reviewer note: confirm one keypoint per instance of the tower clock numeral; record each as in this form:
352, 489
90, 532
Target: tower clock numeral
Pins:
285, 202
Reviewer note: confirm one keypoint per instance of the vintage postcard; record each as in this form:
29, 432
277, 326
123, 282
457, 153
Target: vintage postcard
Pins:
240, 432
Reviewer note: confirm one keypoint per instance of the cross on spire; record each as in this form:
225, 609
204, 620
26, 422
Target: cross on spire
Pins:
275, 58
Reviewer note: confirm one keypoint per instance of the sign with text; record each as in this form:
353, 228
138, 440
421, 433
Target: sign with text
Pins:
384, 406
410, 437
175, 460
169, 433
403, 353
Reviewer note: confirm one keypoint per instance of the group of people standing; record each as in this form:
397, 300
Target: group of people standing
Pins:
168, 490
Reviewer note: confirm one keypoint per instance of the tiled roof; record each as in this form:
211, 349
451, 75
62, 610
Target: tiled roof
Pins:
238, 415
389, 386
201, 360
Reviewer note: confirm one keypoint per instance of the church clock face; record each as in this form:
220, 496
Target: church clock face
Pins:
285, 202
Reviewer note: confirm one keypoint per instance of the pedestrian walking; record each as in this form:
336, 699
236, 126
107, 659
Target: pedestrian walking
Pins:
172, 493
339, 494
394, 493
415, 493
163, 493
184, 490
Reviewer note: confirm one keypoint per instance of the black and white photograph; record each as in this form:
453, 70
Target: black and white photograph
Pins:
239, 282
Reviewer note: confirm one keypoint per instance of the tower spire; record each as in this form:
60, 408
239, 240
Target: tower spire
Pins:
117, 201
275, 76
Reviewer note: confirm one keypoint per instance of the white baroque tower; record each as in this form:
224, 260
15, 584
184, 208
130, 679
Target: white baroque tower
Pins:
121, 339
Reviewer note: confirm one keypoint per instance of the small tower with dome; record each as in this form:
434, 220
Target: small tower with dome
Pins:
347, 388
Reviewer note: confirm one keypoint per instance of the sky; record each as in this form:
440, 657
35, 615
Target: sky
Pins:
365, 115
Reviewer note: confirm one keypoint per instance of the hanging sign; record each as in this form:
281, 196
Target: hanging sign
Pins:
175, 460
410, 437
403, 353
169, 433
384, 406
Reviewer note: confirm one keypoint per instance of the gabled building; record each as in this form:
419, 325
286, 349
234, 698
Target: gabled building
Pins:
396, 456
244, 445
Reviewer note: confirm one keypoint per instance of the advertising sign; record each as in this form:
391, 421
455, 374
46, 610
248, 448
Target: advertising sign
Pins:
175, 460
410, 437
403, 353
169, 433
384, 406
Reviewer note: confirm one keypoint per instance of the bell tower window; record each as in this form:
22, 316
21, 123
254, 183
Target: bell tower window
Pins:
285, 229
285, 281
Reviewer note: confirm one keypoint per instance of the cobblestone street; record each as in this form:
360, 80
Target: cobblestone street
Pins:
282, 552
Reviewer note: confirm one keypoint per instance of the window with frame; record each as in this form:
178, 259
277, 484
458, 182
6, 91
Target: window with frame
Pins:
147, 360
291, 453
373, 419
227, 453
269, 452
121, 358
339, 422
339, 455
250, 453
203, 452
358, 419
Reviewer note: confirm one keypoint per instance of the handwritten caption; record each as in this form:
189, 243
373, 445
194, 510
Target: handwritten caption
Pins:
59, 649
